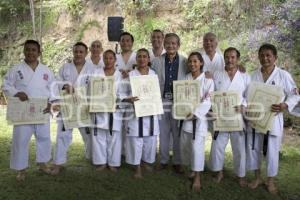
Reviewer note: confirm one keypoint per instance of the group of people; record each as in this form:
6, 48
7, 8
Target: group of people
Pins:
136, 137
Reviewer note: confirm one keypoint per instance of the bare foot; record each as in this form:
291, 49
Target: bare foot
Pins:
113, 169
161, 166
147, 167
242, 181
138, 172
100, 168
196, 185
20, 176
272, 188
255, 183
55, 170
44, 168
219, 177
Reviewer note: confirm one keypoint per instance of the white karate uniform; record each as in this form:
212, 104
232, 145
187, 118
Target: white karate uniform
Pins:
169, 127
283, 79
140, 148
152, 56
68, 75
216, 64
100, 64
107, 146
193, 150
240, 84
120, 63
38, 83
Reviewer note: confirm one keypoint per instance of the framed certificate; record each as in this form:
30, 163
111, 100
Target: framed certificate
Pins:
26, 112
75, 109
261, 96
147, 89
102, 94
223, 104
186, 97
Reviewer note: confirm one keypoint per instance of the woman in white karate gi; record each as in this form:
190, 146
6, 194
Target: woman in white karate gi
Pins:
194, 128
269, 144
26, 80
72, 75
106, 135
142, 132
230, 79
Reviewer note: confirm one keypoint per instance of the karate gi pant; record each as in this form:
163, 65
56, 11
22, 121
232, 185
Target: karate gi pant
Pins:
192, 151
217, 153
169, 127
106, 147
20, 144
255, 154
140, 149
63, 141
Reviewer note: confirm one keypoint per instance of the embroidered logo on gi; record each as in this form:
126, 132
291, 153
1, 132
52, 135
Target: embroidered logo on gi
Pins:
45, 77
20, 74
295, 91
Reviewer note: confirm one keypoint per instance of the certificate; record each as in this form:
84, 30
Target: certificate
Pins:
296, 110
147, 89
223, 104
103, 94
260, 99
186, 97
75, 109
27, 112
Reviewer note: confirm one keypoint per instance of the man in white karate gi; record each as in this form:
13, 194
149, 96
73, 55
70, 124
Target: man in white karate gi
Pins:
169, 67
96, 57
72, 75
212, 56
259, 144
26, 80
231, 79
126, 59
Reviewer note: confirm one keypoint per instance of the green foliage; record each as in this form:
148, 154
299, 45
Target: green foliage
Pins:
75, 7
84, 27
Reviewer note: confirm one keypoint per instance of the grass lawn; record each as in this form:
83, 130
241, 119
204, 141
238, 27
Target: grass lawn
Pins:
79, 180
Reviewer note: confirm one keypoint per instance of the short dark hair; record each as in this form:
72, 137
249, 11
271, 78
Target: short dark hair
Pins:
33, 42
111, 52
158, 31
144, 50
126, 33
199, 56
173, 35
268, 46
238, 54
81, 44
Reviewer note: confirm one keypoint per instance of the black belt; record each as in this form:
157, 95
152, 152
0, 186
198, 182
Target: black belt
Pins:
111, 123
141, 127
95, 128
216, 133
180, 127
265, 143
194, 128
253, 138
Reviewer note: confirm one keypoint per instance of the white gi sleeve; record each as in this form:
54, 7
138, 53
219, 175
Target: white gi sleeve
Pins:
205, 104
9, 81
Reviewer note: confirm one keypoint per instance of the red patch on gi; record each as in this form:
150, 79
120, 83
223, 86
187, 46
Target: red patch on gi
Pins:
45, 77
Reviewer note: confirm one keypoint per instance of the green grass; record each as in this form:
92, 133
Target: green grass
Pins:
79, 180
